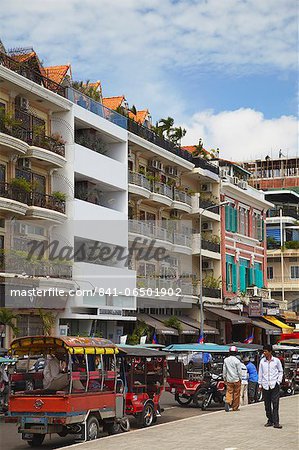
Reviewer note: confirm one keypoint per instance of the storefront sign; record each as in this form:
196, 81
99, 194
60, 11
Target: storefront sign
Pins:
272, 311
110, 312
255, 308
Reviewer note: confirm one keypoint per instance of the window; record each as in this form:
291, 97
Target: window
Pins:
231, 274
257, 226
243, 221
294, 272
270, 273
231, 218
2, 173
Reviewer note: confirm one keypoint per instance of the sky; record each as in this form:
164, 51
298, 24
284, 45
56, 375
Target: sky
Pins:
226, 70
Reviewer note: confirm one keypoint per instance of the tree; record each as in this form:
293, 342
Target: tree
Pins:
87, 89
199, 150
177, 134
48, 320
166, 125
8, 318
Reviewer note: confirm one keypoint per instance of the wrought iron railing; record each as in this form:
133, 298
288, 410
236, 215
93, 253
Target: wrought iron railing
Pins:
181, 196
23, 68
41, 200
212, 246
151, 136
153, 231
204, 164
204, 204
140, 180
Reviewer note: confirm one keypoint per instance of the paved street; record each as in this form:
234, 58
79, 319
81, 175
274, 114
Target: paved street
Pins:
242, 430
11, 440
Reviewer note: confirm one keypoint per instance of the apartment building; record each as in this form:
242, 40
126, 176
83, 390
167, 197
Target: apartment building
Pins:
243, 254
279, 178
63, 179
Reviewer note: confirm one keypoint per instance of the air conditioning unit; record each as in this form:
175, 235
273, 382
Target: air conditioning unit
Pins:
155, 164
207, 265
206, 187
207, 226
236, 180
24, 163
23, 103
175, 214
171, 171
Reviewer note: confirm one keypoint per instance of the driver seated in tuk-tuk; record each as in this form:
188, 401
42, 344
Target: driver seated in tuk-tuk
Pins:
55, 373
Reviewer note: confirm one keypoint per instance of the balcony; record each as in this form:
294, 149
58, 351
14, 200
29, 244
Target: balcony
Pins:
287, 211
22, 68
17, 200
211, 292
149, 135
206, 165
289, 284
209, 249
139, 184
13, 199
13, 139
81, 99
165, 285
161, 193
176, 242
15, 261
182, 200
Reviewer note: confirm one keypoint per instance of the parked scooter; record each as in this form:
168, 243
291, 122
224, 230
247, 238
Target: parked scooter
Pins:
214, 389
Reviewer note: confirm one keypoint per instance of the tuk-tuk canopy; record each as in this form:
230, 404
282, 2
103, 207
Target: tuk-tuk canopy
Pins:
73, 345
209, 348
138, 350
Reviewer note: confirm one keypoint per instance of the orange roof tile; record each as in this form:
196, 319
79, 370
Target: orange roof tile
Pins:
192, 148
113, 102
56, 73
140, 116
24, 57
96, 85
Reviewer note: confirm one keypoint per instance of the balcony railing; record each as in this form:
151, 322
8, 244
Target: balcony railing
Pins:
181, 196
286, 211
140, 180
204, 204
27, 135
163, 189
7, 190
166, 283
149, 135
211, 246
159, 188
22, 68
154, 231
211, 292
204, 164
17, 262
96, 107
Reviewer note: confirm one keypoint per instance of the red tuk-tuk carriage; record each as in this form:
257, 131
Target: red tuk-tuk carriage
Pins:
143, 371
83, 399
289, 357
192, 366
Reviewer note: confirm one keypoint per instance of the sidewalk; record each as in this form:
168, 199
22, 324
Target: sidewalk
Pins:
243, 430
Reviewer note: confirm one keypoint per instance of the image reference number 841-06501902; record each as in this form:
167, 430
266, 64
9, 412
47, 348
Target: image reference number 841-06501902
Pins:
141, 292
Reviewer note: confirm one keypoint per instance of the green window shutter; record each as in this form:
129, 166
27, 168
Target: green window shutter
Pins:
235, 220
251, 276
234, 281
227, 217
227, 276
242, 273
260, 281
263, 230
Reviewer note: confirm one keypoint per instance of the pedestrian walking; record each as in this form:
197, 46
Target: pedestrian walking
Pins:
252, 380
244, 385
232, 375
269, 379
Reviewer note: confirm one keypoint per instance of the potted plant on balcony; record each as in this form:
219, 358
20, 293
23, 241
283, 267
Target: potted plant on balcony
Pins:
8, 122
60, 196
21, 184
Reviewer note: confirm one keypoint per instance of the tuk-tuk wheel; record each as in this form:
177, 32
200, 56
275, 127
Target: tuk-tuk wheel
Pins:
146, 417
36, 440
183, 399
291, 389
92, 428
112, 428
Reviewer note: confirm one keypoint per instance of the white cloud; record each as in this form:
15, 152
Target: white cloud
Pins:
243, 134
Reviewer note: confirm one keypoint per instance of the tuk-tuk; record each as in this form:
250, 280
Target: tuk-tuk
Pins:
6, 366
192, 366
81, 395
143, 371
289, 357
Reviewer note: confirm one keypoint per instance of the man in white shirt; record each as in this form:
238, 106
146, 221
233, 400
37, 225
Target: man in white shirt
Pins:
270, 378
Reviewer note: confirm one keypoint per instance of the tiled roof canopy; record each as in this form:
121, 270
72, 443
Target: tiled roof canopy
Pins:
57, 73
113, 102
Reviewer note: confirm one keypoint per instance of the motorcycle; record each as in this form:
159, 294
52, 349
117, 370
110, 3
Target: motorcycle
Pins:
213, 390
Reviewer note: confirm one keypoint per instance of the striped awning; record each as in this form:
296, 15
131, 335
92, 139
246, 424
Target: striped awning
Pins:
285, 328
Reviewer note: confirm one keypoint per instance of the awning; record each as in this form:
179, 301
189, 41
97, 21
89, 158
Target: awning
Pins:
208, 329
290, 316
185, 327
228, 315
270, 329
157, 325
285, 328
